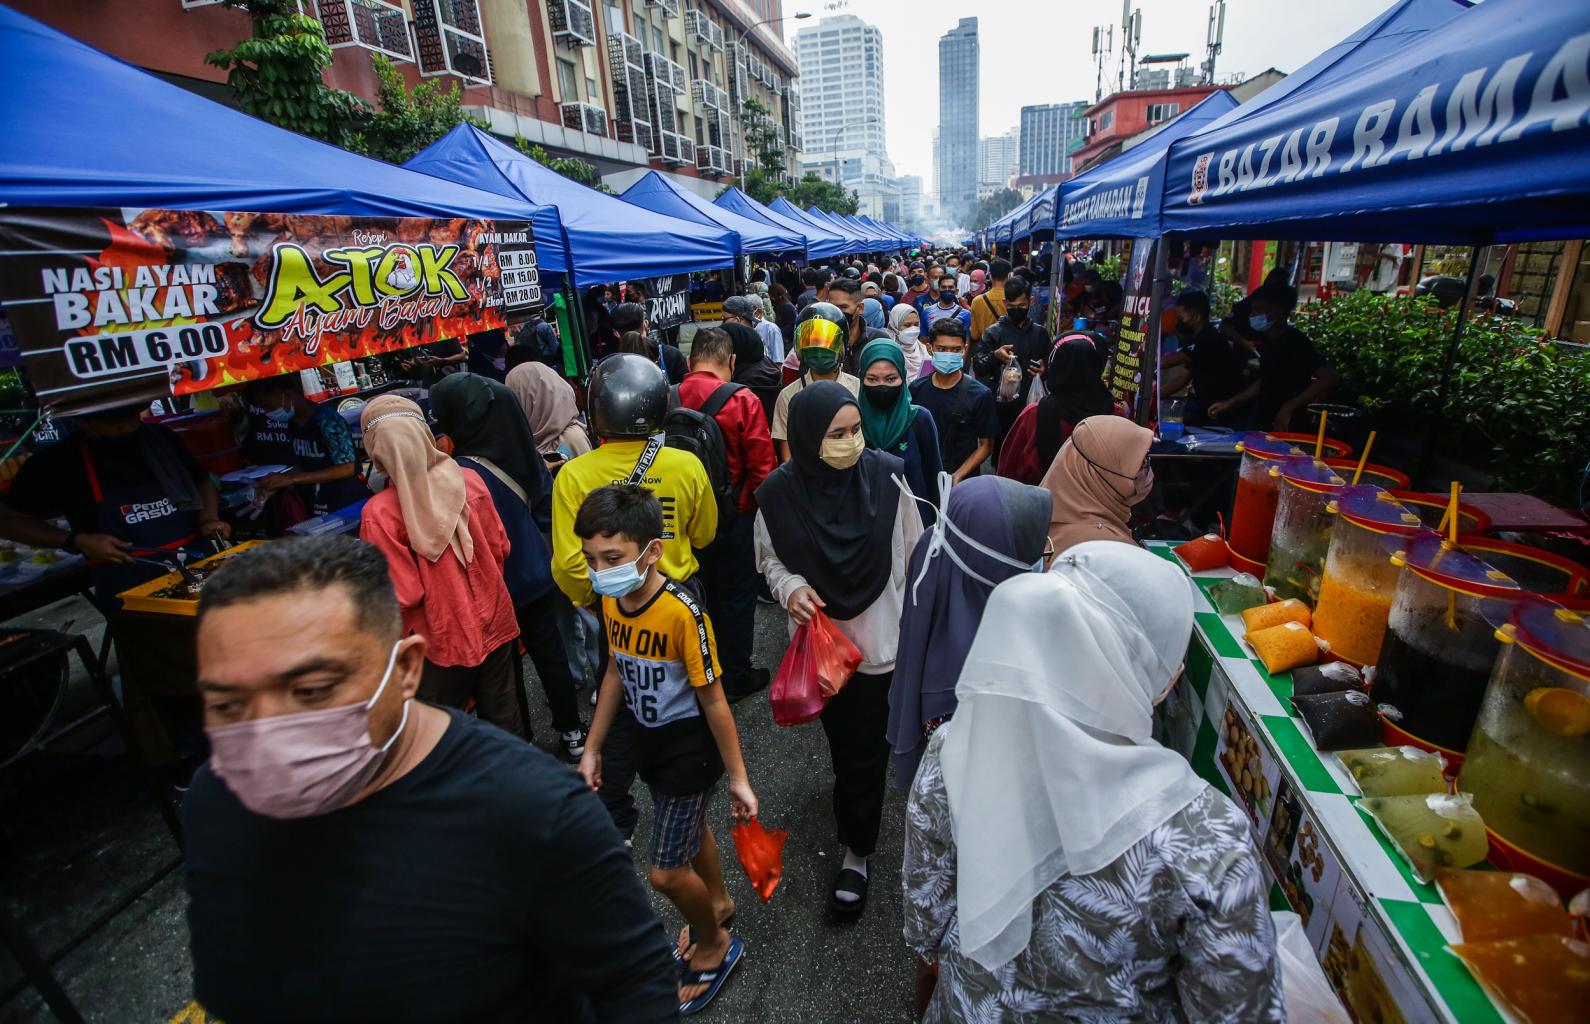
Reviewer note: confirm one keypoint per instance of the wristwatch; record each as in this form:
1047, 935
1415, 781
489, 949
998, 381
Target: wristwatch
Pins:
69, 545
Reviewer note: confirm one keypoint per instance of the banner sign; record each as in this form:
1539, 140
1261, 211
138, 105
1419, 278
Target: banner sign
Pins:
1123, 372
122, 305
667, 300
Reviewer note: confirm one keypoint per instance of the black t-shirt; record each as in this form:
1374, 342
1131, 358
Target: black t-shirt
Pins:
1286, 366
964, 415
1215, 365
487, 885
54, 483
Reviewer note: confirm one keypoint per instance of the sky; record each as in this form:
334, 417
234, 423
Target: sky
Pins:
1039, 51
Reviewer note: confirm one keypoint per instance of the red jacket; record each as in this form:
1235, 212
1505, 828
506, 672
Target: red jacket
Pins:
464, 612
745, 434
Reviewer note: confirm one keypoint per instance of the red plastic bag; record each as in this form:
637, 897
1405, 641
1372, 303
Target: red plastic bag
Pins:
819, 662
1206, 552
761, 854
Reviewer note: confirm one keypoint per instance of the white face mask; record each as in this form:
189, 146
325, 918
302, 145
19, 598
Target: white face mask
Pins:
908, 335
939, 540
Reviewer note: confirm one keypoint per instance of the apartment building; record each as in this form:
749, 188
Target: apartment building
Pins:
630, 85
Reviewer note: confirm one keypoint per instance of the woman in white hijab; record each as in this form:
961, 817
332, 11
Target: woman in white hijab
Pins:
1059, 863
904, 326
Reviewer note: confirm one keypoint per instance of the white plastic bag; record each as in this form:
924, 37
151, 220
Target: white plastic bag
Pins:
1305, 991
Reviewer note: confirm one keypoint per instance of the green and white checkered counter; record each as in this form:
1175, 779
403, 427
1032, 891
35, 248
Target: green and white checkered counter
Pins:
1380, 933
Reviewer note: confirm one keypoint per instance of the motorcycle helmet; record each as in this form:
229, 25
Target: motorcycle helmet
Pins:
628, 397
822, 326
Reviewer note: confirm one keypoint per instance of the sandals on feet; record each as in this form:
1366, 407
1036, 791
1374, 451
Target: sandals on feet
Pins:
690, 939
849, 881
713, 978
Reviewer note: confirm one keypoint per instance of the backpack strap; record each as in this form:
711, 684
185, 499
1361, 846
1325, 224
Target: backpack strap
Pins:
718, 399
648, 455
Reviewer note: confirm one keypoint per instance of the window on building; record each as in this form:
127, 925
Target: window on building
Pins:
568, 81
1158, 112
640, 30
1106, 120
591, 90
695, 67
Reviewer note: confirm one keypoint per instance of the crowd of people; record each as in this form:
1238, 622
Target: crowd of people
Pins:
903, 448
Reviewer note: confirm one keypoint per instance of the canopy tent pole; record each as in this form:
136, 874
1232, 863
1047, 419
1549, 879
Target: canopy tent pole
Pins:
1427, 454
1159, 291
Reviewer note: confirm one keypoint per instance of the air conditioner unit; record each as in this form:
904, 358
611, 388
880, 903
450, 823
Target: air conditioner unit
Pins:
637, 132
572, 22
668, 7
687, 149
585, 117
622, 48
668, 74
697, 27
710, 159
668, 144
451, 39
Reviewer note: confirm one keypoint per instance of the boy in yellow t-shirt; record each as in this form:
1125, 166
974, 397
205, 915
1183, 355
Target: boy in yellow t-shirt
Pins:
664, 667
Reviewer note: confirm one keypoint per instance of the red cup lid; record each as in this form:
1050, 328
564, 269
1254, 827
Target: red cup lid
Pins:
1431, 508
1334, 449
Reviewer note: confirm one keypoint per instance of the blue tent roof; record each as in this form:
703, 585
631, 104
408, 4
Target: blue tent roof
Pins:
1038, 216
820, 242
784, 207
894, 234
1119, 198
608, 239
875, 236
856, 235
112, 135
1001, 230
1435, 123
662, 195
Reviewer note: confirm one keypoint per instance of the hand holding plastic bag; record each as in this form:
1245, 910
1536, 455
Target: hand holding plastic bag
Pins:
761, 854
1305, 991
819, 662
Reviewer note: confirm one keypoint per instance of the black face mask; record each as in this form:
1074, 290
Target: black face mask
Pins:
1016, 314
882, 396
1186, 330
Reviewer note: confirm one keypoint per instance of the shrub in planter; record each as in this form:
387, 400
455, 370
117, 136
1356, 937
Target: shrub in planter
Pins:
1517, 403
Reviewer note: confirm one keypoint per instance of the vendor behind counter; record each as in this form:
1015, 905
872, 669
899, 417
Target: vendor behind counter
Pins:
126, 488
287, 429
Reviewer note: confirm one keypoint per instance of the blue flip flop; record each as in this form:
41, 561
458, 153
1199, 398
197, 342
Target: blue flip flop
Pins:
713, 978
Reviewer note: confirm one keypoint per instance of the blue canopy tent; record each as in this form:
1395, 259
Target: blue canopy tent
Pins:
891, 237
848, 243
113, 135
868, 243
1435, 123
785, 208
897, 237
661, 195
820, 242
1002, 230
607, 238
1119, 198
1038, 217
880, 239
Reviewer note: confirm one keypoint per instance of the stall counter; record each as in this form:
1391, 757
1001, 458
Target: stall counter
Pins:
1379, 932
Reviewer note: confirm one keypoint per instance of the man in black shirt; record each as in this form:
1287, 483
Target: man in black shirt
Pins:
962, 408
353, 854
1291, 373
1212, 361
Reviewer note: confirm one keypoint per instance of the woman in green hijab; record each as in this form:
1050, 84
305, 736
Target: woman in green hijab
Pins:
890, 423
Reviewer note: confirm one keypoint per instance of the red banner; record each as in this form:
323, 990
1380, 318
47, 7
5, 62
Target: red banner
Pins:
118, 305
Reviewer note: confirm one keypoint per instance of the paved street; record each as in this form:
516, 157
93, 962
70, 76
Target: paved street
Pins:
78, 834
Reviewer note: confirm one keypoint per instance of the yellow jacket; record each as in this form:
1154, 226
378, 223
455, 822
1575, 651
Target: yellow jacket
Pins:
986, 312
690, 512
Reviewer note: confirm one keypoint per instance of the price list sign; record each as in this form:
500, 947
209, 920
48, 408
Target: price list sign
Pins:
520, 279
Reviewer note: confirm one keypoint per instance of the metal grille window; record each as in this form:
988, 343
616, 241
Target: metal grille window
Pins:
451, 39
572, 22
378, 25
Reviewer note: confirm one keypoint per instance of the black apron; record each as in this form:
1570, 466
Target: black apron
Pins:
141, 514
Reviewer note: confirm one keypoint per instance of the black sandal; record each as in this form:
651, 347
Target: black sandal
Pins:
849, 881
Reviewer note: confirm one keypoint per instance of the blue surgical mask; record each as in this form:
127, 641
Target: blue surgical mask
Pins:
1259, 322
620, 579
1038, 565
948, 362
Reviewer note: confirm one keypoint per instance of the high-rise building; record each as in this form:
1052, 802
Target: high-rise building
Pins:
840, 59
958, 136
630, 87
1050, 133
996, 159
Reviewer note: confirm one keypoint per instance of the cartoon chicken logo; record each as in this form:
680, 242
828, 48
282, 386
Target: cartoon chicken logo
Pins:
402, 279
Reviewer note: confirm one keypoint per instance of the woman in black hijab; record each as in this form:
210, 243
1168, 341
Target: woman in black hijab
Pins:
752, 367
491, 436
1075, 382
834, 532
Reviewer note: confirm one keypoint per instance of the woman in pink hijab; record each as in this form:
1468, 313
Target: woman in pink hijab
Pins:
444, 546
979, 276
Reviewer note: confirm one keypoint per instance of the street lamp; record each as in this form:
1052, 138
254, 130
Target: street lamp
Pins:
833, 146
802, 16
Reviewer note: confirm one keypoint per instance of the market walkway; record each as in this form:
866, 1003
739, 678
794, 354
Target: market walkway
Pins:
86, 832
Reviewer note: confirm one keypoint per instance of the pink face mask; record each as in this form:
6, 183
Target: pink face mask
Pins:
297, 766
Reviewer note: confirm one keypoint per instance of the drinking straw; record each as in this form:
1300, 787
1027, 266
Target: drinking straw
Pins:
1363, 458
1450, 521
1319, 442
